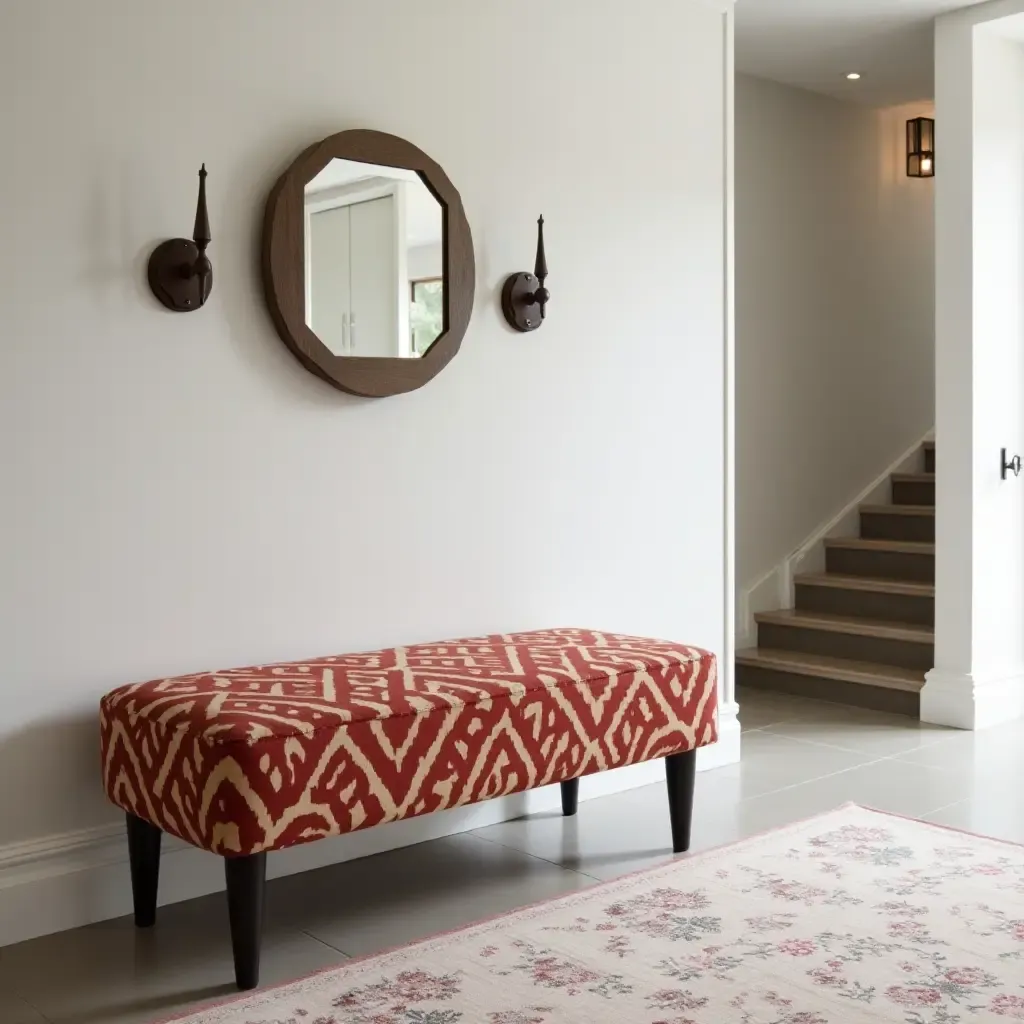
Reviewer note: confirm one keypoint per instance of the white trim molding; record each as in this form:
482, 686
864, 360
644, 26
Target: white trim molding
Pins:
978, 679
775, 589
972, 701
728, 749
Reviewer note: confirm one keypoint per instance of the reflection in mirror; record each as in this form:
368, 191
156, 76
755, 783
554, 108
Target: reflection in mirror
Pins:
374, 245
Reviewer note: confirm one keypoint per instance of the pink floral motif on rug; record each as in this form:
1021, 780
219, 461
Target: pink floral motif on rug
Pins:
851, 917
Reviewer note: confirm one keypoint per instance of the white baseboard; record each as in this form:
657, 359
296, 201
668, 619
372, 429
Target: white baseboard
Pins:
727, 750
774, 589
77, 878
972, 701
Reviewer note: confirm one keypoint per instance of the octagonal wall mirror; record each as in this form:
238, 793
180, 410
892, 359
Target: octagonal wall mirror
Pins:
368, 263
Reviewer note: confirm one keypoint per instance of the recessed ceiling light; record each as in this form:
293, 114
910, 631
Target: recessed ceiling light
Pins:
854, 76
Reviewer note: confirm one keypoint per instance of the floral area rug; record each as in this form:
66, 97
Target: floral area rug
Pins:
851, 917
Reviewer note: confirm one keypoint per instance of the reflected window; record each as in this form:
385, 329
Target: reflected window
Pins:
427, 312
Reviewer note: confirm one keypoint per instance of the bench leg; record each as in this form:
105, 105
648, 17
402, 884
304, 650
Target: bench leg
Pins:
681, 771
570, 796
246, 878
144, 858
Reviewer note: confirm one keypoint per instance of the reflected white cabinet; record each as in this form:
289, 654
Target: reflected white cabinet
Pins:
354, 289
328, 285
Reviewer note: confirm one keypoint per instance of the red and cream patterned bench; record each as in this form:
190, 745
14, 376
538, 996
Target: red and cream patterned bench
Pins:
246, 761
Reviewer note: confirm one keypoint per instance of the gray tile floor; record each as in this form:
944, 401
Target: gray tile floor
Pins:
799, 758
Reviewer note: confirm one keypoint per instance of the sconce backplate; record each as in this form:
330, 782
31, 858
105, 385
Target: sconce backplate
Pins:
170, 275
517, 303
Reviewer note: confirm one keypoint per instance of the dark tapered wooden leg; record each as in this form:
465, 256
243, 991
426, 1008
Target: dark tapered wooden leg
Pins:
144, 857
570, 796
681, 772
247, 878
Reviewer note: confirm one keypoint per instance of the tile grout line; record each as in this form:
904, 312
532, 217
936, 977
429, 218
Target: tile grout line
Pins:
525, 853
329, 945
768, 729
28, 1002
826, 775
535, 856
946, 807
771, 792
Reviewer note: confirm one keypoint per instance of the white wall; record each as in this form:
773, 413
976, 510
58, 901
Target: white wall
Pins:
425, 261
999, 351
179, 493
904, 273
834, 315
979, 654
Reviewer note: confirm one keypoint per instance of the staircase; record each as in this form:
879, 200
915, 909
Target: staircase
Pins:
862, 632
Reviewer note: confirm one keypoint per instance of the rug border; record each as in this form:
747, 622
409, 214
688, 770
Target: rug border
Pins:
218, 1004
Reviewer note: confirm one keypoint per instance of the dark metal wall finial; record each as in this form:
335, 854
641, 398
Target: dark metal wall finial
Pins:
524, 299
541, 269
180, 272
202, 269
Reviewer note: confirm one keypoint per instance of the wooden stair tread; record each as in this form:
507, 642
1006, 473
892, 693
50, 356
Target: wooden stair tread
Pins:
887, 677
899, 510
914, 478
905, 547
848, 624
877, 585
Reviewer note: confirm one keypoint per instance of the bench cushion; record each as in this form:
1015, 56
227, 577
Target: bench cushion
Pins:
261, 758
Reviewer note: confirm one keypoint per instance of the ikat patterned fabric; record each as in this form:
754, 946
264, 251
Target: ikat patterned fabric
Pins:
254, 759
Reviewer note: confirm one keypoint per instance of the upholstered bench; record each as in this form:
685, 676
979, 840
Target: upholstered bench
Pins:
246, 761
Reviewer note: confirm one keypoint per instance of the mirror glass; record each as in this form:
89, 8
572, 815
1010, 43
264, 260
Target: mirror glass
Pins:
374, 261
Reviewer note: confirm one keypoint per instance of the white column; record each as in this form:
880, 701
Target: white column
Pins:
978, 679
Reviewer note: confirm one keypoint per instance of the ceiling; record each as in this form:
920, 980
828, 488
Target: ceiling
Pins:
813, 44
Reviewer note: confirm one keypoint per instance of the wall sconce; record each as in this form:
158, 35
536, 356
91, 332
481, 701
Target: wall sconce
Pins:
524, 298
921, 148
180, 272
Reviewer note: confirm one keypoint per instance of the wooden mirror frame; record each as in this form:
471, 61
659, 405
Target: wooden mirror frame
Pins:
284, 267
